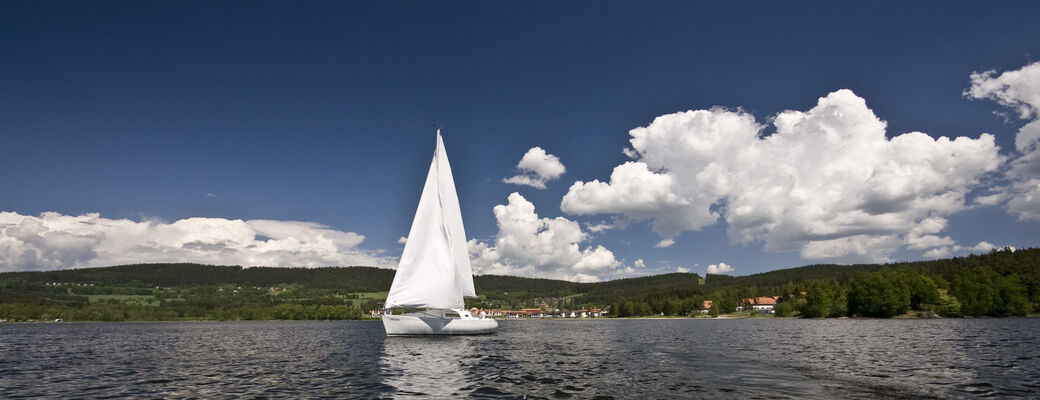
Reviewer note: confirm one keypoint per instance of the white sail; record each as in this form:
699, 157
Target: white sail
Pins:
434, 271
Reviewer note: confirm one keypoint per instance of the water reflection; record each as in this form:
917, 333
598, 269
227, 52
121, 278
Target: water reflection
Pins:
439, 367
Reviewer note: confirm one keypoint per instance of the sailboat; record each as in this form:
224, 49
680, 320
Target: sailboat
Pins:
434, 274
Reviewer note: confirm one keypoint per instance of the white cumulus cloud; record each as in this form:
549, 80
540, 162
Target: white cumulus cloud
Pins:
1020, 91
720, 268
666, 242
828, 182
948, 249
983, 246
527, 245
56, 241
536, 168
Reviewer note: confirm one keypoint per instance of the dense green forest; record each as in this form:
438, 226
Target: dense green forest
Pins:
1001, 283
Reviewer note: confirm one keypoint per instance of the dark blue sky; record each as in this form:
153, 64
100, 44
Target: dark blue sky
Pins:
325, 111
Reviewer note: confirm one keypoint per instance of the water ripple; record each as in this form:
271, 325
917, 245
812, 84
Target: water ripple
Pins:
602, 359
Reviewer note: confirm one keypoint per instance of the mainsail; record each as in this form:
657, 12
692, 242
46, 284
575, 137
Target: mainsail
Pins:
434, 271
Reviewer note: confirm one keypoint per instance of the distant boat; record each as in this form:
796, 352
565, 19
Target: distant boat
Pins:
434, 274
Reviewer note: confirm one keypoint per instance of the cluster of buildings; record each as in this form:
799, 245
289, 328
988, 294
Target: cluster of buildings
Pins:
540, 313
526, 313
764, 305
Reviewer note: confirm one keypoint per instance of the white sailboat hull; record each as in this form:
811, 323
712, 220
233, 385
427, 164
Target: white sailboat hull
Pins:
422, 324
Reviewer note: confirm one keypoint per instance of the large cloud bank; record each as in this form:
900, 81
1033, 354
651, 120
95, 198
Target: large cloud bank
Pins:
527, 245
537, 167
1020, 91
827, 183
55, 241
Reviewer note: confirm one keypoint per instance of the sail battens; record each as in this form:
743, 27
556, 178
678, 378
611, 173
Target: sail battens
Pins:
435, 270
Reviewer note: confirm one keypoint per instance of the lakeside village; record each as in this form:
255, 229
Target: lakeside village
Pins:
761, 305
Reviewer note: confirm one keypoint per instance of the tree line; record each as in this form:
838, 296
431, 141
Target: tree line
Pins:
1000, 283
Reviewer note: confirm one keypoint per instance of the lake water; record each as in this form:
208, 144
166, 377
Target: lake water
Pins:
750, 358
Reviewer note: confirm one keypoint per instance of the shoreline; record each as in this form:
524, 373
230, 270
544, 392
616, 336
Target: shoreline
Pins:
914, 315
578, 320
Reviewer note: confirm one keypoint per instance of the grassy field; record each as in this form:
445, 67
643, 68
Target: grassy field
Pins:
365, 296
147, 300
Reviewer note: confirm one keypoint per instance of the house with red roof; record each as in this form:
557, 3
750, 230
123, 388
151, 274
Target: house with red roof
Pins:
763, 305
514, 314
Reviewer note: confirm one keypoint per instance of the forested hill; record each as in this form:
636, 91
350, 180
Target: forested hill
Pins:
999, 283
1025, 263
351, 279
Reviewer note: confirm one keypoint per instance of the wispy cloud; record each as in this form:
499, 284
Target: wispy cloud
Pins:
1019, 90
600, 227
